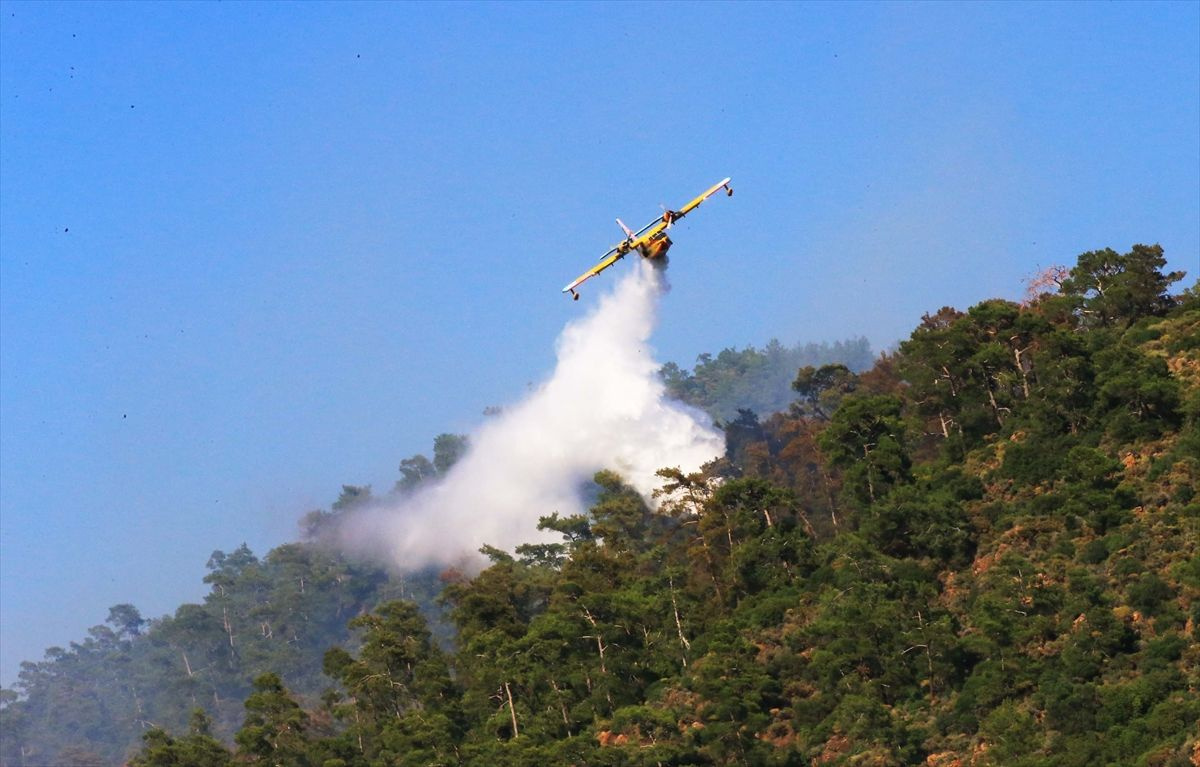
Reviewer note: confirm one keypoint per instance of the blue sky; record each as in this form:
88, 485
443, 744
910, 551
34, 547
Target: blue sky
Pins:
252, 251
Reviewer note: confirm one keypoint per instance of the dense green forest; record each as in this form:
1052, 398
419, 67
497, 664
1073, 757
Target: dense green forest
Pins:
984, 549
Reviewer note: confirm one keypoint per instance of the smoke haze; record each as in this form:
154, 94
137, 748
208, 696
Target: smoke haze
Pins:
603, 407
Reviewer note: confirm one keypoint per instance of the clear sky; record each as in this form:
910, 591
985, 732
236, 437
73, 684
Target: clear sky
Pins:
252, 251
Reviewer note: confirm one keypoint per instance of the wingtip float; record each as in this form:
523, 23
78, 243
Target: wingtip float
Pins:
651, 240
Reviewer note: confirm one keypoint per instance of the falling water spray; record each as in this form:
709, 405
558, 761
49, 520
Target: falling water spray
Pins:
603, 407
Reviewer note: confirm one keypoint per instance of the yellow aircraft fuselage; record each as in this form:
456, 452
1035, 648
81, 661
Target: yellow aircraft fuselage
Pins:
657, 247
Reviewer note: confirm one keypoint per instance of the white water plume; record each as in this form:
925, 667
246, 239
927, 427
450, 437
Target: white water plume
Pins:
603, 407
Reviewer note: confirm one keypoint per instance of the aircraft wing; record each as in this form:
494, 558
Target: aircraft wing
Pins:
686, 209
658, 224
607, 260
647, 231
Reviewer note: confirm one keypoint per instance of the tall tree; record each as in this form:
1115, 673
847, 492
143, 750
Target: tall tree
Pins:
821, 389
274, 730
402, 706
197, 749
414, 471
866, 439
1120, 288
447, 449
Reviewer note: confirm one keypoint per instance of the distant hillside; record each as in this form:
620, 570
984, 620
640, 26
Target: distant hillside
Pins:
757, 380
90, 703
983, 550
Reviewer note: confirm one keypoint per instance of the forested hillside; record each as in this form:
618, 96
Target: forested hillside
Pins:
983, 550
90, 703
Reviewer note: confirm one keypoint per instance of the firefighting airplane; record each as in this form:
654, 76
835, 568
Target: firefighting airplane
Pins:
651, 240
